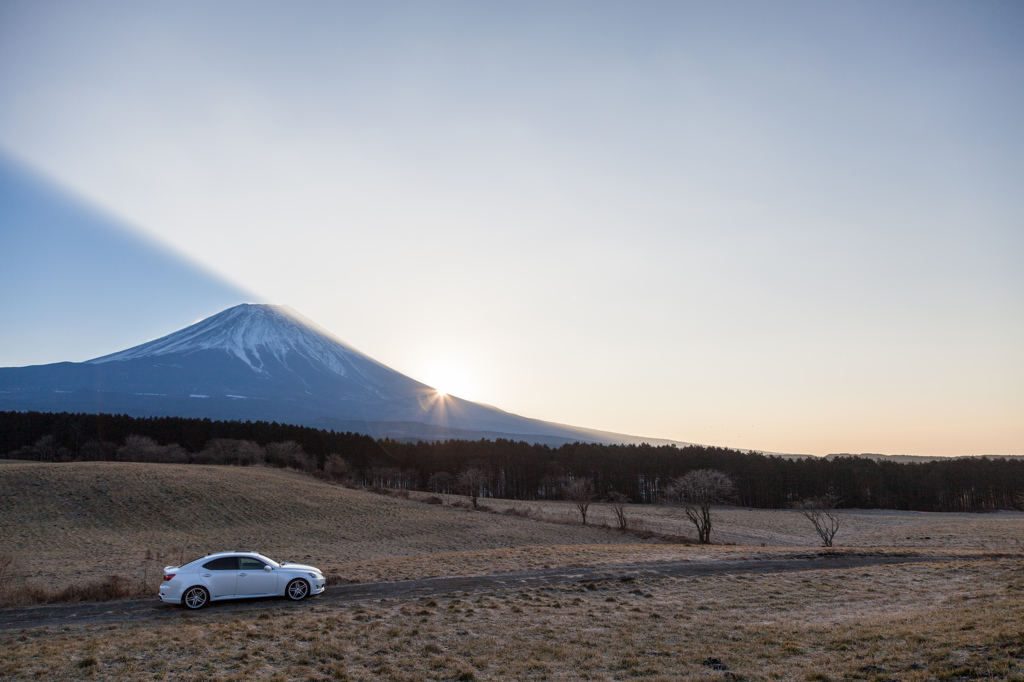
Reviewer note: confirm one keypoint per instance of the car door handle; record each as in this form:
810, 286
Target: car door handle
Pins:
241, 575
206, 575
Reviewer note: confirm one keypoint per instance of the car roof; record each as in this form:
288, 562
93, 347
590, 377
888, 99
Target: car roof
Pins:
232, 552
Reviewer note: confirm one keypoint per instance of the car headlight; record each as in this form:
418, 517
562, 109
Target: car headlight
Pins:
315, 576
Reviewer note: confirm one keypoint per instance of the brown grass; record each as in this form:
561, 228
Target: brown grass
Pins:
864, 528
82, 522
67, 528
106, 589
909, 622
73, 526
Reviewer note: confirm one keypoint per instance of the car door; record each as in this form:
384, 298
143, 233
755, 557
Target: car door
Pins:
220, 576
254, 579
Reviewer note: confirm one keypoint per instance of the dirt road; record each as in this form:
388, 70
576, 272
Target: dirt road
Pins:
63, 616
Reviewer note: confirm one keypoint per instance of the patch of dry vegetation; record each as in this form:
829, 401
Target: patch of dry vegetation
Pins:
862, 528
104, 530
908, 622
68, 527
80, 523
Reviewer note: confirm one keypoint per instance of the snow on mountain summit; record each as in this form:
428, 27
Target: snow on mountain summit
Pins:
253, 333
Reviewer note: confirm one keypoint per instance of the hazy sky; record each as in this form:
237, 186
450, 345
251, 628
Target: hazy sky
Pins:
796, 227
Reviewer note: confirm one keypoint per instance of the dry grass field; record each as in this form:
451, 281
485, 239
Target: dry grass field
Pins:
79, 521
910, 622
784, 528
76, 522
72, 523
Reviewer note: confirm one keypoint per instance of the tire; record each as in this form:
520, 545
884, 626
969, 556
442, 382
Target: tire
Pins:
195, 597
297, 589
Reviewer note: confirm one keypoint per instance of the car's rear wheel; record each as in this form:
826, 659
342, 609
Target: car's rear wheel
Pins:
195, 597
298, 589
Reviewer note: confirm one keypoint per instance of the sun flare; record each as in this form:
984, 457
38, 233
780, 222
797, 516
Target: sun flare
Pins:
448, 381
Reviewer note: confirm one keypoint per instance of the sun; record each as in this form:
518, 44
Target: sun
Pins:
448, 381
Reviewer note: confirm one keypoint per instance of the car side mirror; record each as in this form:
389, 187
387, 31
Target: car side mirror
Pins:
266, 568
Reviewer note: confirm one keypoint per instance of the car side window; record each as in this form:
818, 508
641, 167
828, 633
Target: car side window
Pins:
248, 564
225, 563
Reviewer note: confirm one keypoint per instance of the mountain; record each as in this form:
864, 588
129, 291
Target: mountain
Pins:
262, 362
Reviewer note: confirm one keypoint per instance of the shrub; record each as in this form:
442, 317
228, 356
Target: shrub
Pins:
105, 589
336, 467
7, 566
521, 512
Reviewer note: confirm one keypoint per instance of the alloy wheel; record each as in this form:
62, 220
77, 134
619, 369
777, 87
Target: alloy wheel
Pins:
195, 598
297, 589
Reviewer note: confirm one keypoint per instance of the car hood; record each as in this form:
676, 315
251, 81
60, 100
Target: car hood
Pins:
299, 567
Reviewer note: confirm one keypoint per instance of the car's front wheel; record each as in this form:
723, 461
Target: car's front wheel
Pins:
298, 589
195, 597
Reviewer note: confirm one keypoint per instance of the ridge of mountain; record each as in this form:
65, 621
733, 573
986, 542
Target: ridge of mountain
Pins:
241, 331
261, 362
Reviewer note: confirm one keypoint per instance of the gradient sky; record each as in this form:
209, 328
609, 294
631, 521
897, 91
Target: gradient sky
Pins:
789, 226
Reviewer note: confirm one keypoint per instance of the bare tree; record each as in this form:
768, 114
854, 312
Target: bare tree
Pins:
1018, 499
581, 492
92, 450
408, 479
249, 453
145, 449
618, 502
820, 511
173, 454
336, 467
217, 451
696, 492
231, 451
440, 482
137, 449
470, 482
290, 454
46, 447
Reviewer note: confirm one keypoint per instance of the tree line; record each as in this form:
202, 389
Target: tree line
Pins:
515, 469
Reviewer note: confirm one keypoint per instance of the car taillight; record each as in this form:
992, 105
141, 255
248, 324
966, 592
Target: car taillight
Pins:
168, 576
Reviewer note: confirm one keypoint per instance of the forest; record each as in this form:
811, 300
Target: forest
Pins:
516, 469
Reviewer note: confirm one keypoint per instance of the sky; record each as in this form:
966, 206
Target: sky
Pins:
791, 226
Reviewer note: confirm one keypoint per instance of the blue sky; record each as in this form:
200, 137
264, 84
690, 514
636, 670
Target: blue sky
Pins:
788, 226
77, 283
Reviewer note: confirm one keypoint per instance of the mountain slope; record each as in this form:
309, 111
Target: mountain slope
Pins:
261, 362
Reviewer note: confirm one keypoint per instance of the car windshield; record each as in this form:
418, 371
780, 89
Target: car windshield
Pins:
270, 561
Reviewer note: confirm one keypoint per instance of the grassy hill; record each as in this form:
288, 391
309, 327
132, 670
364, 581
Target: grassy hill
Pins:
76, 524
92, 519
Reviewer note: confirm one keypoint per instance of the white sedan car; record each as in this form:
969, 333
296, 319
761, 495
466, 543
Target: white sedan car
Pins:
238, 575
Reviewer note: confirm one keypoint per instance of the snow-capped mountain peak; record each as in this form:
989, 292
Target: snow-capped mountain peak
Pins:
268, 363
252, 333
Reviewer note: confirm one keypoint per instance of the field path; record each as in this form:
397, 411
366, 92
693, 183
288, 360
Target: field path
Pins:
65, 615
